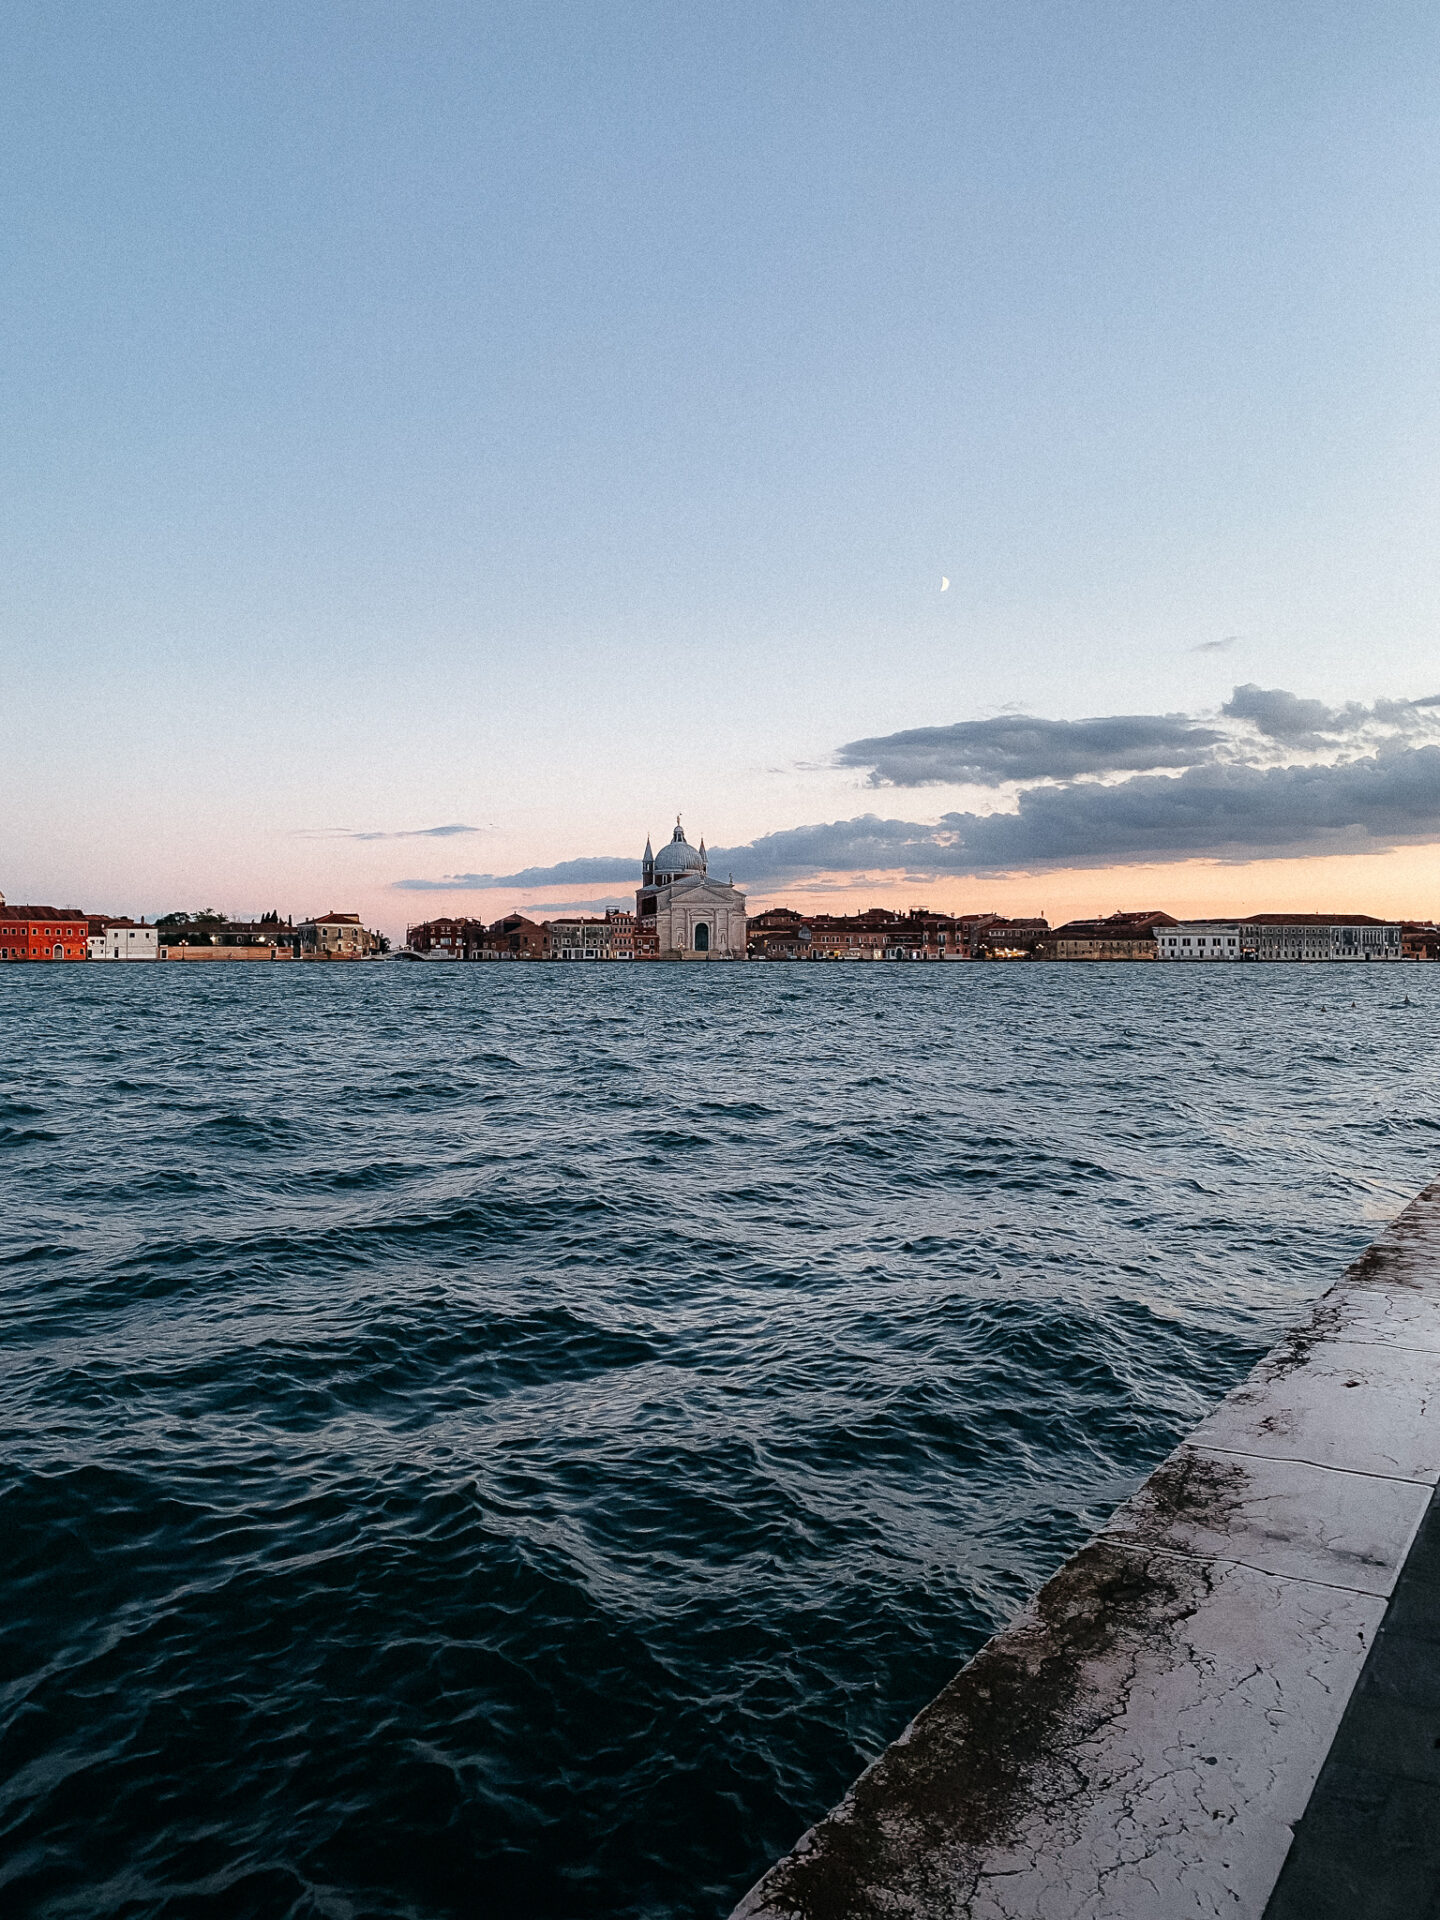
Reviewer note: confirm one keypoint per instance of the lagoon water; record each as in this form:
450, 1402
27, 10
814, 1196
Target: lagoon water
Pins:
516, 1441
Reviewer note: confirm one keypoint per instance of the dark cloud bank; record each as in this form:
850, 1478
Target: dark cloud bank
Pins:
1363, 806
1106, 792
1017, 748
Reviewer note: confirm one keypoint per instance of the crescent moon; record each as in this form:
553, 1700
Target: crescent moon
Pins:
944, 584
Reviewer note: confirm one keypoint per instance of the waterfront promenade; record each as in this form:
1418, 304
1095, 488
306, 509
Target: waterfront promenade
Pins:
1228, 1702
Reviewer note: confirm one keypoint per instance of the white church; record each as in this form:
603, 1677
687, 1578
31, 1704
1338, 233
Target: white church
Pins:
692, 916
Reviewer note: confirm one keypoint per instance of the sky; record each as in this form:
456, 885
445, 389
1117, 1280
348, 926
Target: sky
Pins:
440, 443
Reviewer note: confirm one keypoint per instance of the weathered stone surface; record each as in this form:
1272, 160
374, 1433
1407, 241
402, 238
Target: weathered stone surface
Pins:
1284, 1517
1102, 1757
1369, 1841
1367, 1407
1141, 1742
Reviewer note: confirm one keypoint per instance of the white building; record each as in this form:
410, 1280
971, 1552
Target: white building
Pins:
1315, 936
1277, 936
124, 940
688, 915
1201, 940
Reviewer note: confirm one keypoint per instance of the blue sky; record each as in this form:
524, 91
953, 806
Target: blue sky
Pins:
544, 418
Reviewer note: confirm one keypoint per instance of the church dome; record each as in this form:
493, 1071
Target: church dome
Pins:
678, 856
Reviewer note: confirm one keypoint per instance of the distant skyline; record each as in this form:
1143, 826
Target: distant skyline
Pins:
438, 444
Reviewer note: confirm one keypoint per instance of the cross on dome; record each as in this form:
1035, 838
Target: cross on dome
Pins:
677, 857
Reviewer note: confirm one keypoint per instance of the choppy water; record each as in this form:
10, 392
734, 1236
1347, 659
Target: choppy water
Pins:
517, 1440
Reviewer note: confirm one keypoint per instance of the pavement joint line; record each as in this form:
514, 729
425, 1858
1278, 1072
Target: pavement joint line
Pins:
1228, 1560
1321, 1466
1385, 1346
1169, 1730
1366, 1842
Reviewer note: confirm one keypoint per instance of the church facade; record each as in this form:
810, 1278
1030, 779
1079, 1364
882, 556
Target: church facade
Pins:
691, 916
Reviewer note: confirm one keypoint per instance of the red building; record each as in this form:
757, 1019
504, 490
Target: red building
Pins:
993, 938
43, 933
458, 938
880, 933
515, 938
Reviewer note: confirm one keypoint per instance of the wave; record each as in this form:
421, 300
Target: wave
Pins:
458, 1456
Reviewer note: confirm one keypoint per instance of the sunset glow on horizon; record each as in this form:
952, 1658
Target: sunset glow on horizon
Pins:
449, 444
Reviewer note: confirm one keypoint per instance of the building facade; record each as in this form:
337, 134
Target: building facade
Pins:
43, 933
333, 936
124, 940
995, 938
515, 938
1318, 936
451, 937
203, 940
1120, 936
681, 912
880, 933
1279, 936
1202, 940
609, 936
780, 933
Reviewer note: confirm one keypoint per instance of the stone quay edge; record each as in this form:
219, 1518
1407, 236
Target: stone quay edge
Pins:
1144, 1741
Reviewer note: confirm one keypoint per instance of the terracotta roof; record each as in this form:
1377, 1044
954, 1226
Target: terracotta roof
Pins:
1314, 920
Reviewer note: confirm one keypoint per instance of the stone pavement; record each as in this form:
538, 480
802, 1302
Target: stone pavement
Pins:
1228, 1702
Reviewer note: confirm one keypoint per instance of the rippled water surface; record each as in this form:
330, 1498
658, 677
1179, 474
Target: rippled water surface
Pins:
517, 1440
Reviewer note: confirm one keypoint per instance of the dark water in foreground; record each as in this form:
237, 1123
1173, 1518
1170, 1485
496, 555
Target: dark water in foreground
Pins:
516, 1441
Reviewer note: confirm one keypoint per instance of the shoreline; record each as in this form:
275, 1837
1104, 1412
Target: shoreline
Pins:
1186, 1716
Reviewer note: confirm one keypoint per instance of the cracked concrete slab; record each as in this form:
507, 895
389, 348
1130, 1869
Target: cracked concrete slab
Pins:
1143, 1740
1104, 1756
1284, 1517
1365, 1408
1192, 1785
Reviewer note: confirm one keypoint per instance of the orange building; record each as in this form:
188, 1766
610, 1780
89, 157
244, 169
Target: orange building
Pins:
43, 933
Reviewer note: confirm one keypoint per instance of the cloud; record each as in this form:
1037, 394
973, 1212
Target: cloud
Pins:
1309, 726
403, 833
1360, 806
865, 845
1364, 805
1218, 646
1289, 718
1379, 788
576, 873
988, 753
586, 906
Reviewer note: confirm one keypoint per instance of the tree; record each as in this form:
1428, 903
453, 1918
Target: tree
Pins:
198, 917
